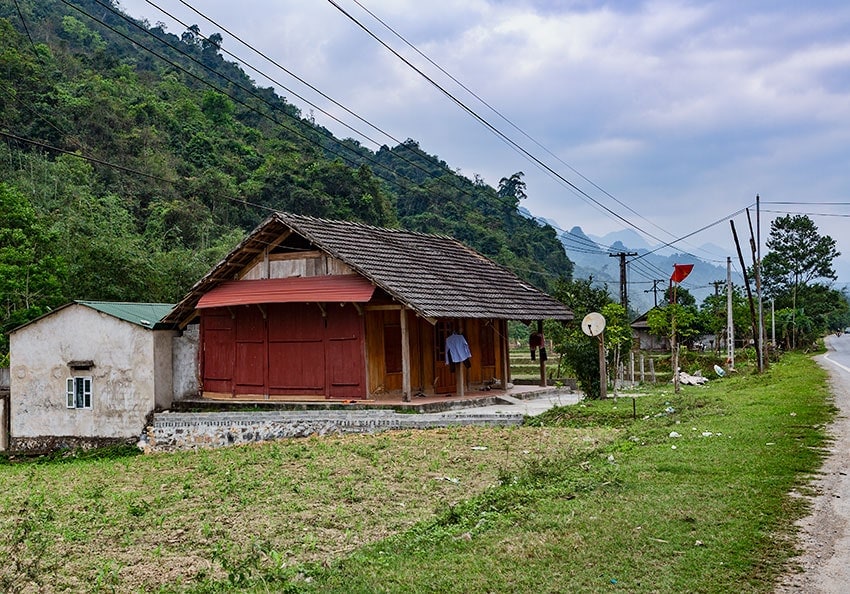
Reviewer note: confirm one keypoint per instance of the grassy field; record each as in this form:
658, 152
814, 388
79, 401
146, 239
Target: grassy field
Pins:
690, 496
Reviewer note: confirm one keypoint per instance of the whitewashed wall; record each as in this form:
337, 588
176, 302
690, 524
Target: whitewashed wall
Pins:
124, 375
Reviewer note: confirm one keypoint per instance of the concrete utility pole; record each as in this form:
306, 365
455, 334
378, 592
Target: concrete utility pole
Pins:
730, 321
654, 290
624, 294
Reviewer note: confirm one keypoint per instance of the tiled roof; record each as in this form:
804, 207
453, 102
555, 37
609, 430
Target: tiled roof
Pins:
436, 276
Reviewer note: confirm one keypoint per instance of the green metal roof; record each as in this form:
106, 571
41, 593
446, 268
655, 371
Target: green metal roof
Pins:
145, 315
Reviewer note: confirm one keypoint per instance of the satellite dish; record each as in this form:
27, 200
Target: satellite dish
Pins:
593, 324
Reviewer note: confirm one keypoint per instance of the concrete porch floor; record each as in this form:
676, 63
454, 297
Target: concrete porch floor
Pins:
473, 400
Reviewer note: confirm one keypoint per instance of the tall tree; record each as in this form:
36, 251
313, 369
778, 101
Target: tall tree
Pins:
799, 255
513, 188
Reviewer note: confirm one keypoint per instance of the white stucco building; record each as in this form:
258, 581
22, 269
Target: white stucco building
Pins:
89, 373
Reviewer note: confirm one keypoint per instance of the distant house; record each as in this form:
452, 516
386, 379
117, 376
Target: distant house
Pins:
643, 339
88, 373
307, 308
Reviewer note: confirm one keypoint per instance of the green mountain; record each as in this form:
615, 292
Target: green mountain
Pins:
133, 159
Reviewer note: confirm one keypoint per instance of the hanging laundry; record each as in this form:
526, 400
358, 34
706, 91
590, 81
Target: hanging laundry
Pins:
536, 341
457, 351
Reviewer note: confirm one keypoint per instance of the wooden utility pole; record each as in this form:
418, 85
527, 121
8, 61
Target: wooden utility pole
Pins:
717, 285
654, 290
624, 294
747, 286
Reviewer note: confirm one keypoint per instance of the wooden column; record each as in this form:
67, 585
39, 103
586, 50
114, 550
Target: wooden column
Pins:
460, 368
405, 356
542, 362
504, 353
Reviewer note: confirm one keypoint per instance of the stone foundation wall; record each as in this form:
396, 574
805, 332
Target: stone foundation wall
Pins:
51, 443
181, 431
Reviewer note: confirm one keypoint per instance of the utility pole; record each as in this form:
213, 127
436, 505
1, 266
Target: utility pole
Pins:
654, 290
756, 334
624, 295
756, 249
730, 322
717, 285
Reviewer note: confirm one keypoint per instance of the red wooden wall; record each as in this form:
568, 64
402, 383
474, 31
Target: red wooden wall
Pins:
283, 349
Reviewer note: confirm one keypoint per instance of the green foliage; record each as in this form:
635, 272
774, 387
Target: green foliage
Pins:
798, 255
713, 313
580, 350
211, 163
685, 319
794, 274
32, 267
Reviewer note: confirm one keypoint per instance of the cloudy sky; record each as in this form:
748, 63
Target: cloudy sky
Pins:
666, 115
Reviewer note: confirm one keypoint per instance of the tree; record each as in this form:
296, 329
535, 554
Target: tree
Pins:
581, 351
713, 312
513, 188
688, 322
799, 255
31, 265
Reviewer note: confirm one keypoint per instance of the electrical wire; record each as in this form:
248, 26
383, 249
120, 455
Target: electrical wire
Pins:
503, 117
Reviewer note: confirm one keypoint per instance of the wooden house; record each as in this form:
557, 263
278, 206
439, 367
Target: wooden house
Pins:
643, 339
307, 308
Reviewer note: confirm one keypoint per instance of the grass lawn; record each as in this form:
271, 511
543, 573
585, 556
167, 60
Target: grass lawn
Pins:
584, 499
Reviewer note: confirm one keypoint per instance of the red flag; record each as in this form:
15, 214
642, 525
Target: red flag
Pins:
680, 272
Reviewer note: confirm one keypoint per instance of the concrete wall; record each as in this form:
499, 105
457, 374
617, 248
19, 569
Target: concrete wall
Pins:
123, 377
185, 380
163, 367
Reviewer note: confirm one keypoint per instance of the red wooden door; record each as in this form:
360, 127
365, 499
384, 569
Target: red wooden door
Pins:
217, 357
250, 371
296, 360
346, 373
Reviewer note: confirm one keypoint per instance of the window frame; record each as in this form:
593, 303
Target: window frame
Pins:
78, 392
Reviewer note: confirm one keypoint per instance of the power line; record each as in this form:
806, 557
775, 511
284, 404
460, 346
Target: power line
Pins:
489, 126
503, 117
56, 149
501, 135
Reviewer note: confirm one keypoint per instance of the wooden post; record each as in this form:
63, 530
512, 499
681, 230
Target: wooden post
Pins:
542, 362
632, 367
642, 374
603, 375
405, 357
460, 367
674, 356
652, 369
505, 353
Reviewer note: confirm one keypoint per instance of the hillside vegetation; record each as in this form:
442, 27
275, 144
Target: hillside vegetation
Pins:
134, 158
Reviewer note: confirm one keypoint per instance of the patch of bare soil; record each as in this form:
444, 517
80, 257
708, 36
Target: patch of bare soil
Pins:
823, 567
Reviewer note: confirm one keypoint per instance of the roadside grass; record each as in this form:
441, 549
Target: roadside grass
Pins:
217, 519
582, 499
708, 511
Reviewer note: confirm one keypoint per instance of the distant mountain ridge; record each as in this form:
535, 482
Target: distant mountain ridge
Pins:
647, 274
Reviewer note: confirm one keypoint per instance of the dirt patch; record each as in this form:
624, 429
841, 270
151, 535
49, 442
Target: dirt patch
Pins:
824, 564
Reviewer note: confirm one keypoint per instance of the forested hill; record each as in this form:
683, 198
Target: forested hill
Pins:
132, 159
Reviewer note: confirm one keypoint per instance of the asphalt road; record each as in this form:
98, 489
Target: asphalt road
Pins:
825, 535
